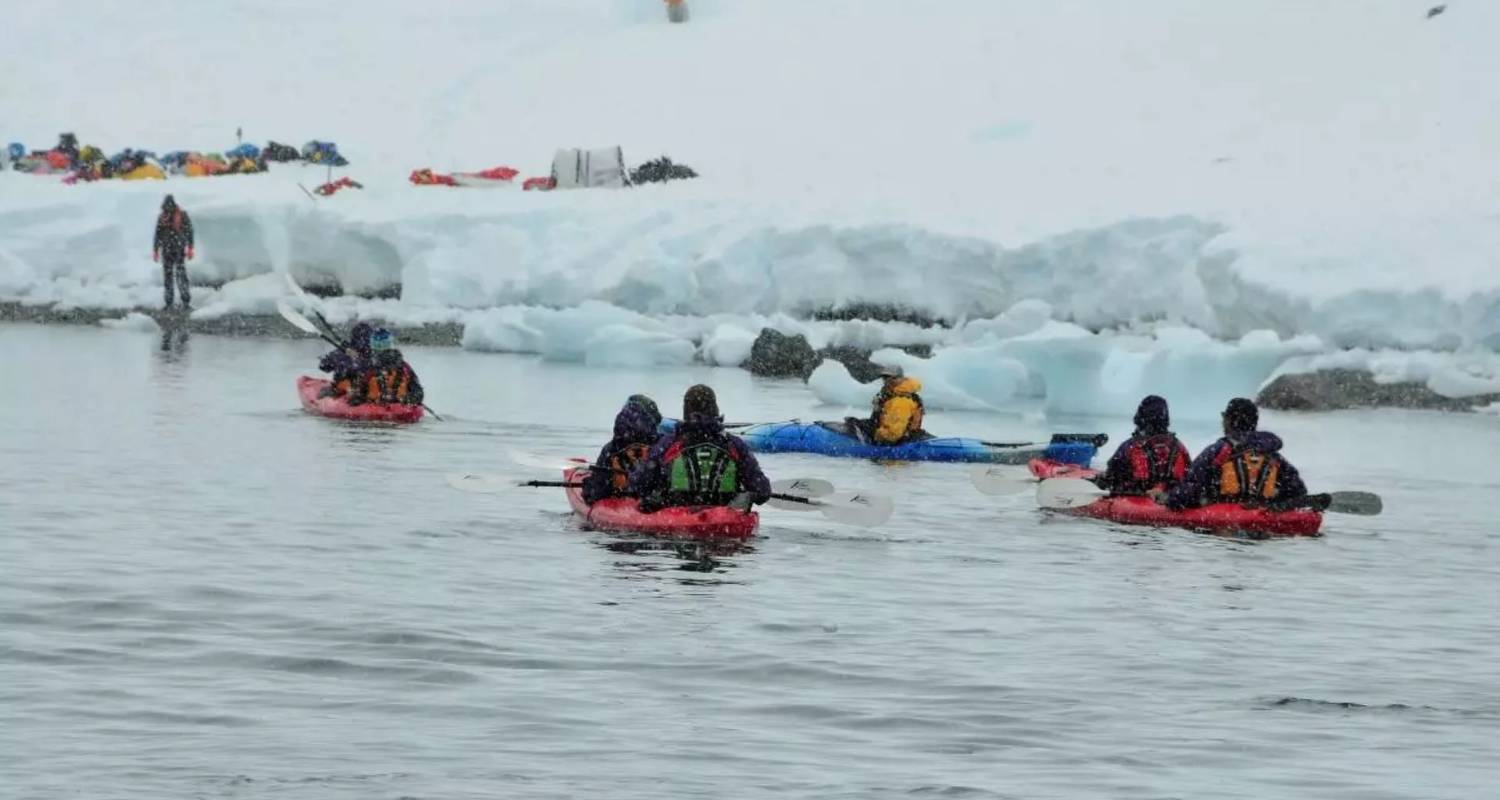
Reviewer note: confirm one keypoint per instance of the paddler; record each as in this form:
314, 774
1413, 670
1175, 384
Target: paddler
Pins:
698, 464
1244, 467
635, 432
387, 378
1152, 460
896, 411
347, 362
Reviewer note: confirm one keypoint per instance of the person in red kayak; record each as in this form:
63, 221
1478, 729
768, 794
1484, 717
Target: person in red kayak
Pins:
698, 464
387, 378
635, 432
346, 363
173, 248
1244, 467
1152, 459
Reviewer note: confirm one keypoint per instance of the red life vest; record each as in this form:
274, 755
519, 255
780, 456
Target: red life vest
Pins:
1158, 459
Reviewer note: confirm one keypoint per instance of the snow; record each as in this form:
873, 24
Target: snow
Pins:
1100, 198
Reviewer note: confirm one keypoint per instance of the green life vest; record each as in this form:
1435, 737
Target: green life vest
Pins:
703, 473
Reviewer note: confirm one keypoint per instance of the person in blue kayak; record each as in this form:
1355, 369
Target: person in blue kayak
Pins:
1152, 459
635, 432
896, 412
386, 377
346, 363
698, 464
1245, 467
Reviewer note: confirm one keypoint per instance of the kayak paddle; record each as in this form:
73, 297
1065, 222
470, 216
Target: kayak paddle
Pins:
1061, 493
809, 494
1095, 439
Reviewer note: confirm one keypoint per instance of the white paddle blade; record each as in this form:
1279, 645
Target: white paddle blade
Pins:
298, 321
803, 487
856, 508
1364, 504
1000, 479
292, 284
479, 483
549, 463
1067, 493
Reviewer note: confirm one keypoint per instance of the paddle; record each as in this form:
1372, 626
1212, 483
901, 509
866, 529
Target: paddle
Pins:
304, 324
799, 494
1095, 439
1060, 493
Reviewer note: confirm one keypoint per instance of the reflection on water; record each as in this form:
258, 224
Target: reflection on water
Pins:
706, 556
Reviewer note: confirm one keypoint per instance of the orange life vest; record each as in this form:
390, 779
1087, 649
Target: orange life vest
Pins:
1247, 475
623, 461
389, 385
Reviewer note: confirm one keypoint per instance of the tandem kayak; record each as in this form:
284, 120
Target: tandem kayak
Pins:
834, 439
688, 522
1215, 518
310, 390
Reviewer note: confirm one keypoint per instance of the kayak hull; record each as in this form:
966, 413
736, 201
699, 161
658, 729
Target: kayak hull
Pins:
309, 389
623, 515
799, 437
1215, 518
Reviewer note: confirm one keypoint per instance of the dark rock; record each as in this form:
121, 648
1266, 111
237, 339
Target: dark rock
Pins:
446, 334
776, 355
857, 361
877, 312
1333, 389
660, 171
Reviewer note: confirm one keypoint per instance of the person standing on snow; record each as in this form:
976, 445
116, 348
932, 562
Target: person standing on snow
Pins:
174, 243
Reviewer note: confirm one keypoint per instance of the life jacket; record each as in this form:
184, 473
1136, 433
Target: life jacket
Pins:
1157, 460
622, 461
703, 472
388, 384
914, 424
1247, 476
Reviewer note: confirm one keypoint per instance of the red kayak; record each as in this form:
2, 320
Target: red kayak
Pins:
689, 522
1218, 517
310, 389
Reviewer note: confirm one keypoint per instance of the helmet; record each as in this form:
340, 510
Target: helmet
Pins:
382, 339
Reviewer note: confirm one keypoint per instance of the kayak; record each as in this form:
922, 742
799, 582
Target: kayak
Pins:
1215, 518
623, 514
834, 439
309, 390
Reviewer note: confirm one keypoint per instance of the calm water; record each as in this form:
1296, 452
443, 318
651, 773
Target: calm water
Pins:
208, 594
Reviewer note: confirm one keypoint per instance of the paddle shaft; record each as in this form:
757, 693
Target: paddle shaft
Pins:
554, 484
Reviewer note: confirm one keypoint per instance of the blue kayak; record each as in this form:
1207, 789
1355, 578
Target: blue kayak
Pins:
834, 439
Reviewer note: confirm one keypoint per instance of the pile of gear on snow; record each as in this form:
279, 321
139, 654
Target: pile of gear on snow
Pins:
572, 168
88, 162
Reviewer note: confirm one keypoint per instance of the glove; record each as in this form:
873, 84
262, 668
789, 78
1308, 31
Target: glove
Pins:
156, 256
190, 254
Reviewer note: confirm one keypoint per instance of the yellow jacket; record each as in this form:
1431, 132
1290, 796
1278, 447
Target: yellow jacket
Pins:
898, 412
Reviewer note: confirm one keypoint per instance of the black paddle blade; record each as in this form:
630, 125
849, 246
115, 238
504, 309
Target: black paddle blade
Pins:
1364, 504
1096, 439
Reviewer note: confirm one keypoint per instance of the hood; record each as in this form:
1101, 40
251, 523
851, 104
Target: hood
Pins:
700, 424
1259, 441
169, 204
1152, 417
359, 337
906, 386
636, 423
